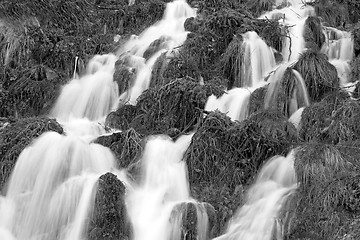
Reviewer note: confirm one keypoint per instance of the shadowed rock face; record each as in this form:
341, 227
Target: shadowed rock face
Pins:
193, 221
109, 219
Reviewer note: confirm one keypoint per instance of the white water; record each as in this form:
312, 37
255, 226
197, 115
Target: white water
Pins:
299, 96
164, 185
234, 103
180, 212
93, 95
258, 60
339, 48
256, 219
294, 17
51, 189
172, 28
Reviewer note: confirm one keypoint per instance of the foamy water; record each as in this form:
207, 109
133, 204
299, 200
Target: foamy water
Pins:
256, 219
51, 191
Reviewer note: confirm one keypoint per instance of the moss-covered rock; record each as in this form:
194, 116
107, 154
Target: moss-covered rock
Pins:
178, 104
332, 120
121, 118
257, 99
109, 217
313, 33
319, 75
327, 202
126, 146
228, 153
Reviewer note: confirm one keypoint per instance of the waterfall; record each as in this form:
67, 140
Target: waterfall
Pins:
258, 60
256, 220
170, 30
92, 96
164, 184
51, 191
51, 188
339, 48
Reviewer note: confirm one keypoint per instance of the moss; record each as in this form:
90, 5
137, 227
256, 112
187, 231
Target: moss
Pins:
229, 153
121, 118
319, 75
224, 200
178, 104
109, 218
333, 120
127, 146
257, 99
313, 33
327, 198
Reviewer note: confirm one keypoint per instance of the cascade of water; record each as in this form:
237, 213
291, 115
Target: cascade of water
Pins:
171, 30
293, 16
52, 188
256, 219
339, 48
258, 60
92, 96
164, 185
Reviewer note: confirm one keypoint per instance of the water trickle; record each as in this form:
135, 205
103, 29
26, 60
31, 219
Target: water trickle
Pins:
256, 219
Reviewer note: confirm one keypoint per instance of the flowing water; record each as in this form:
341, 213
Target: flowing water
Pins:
258, 60
164, 184
256, 219
170, 30
51, 190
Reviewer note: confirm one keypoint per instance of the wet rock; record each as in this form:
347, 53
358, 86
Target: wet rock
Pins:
109, 218
127, 146
121, 118
155, 46
124, 76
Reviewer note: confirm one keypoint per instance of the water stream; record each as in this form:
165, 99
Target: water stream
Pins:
51, 190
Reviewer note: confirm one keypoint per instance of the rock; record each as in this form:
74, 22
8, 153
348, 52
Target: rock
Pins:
109, 218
